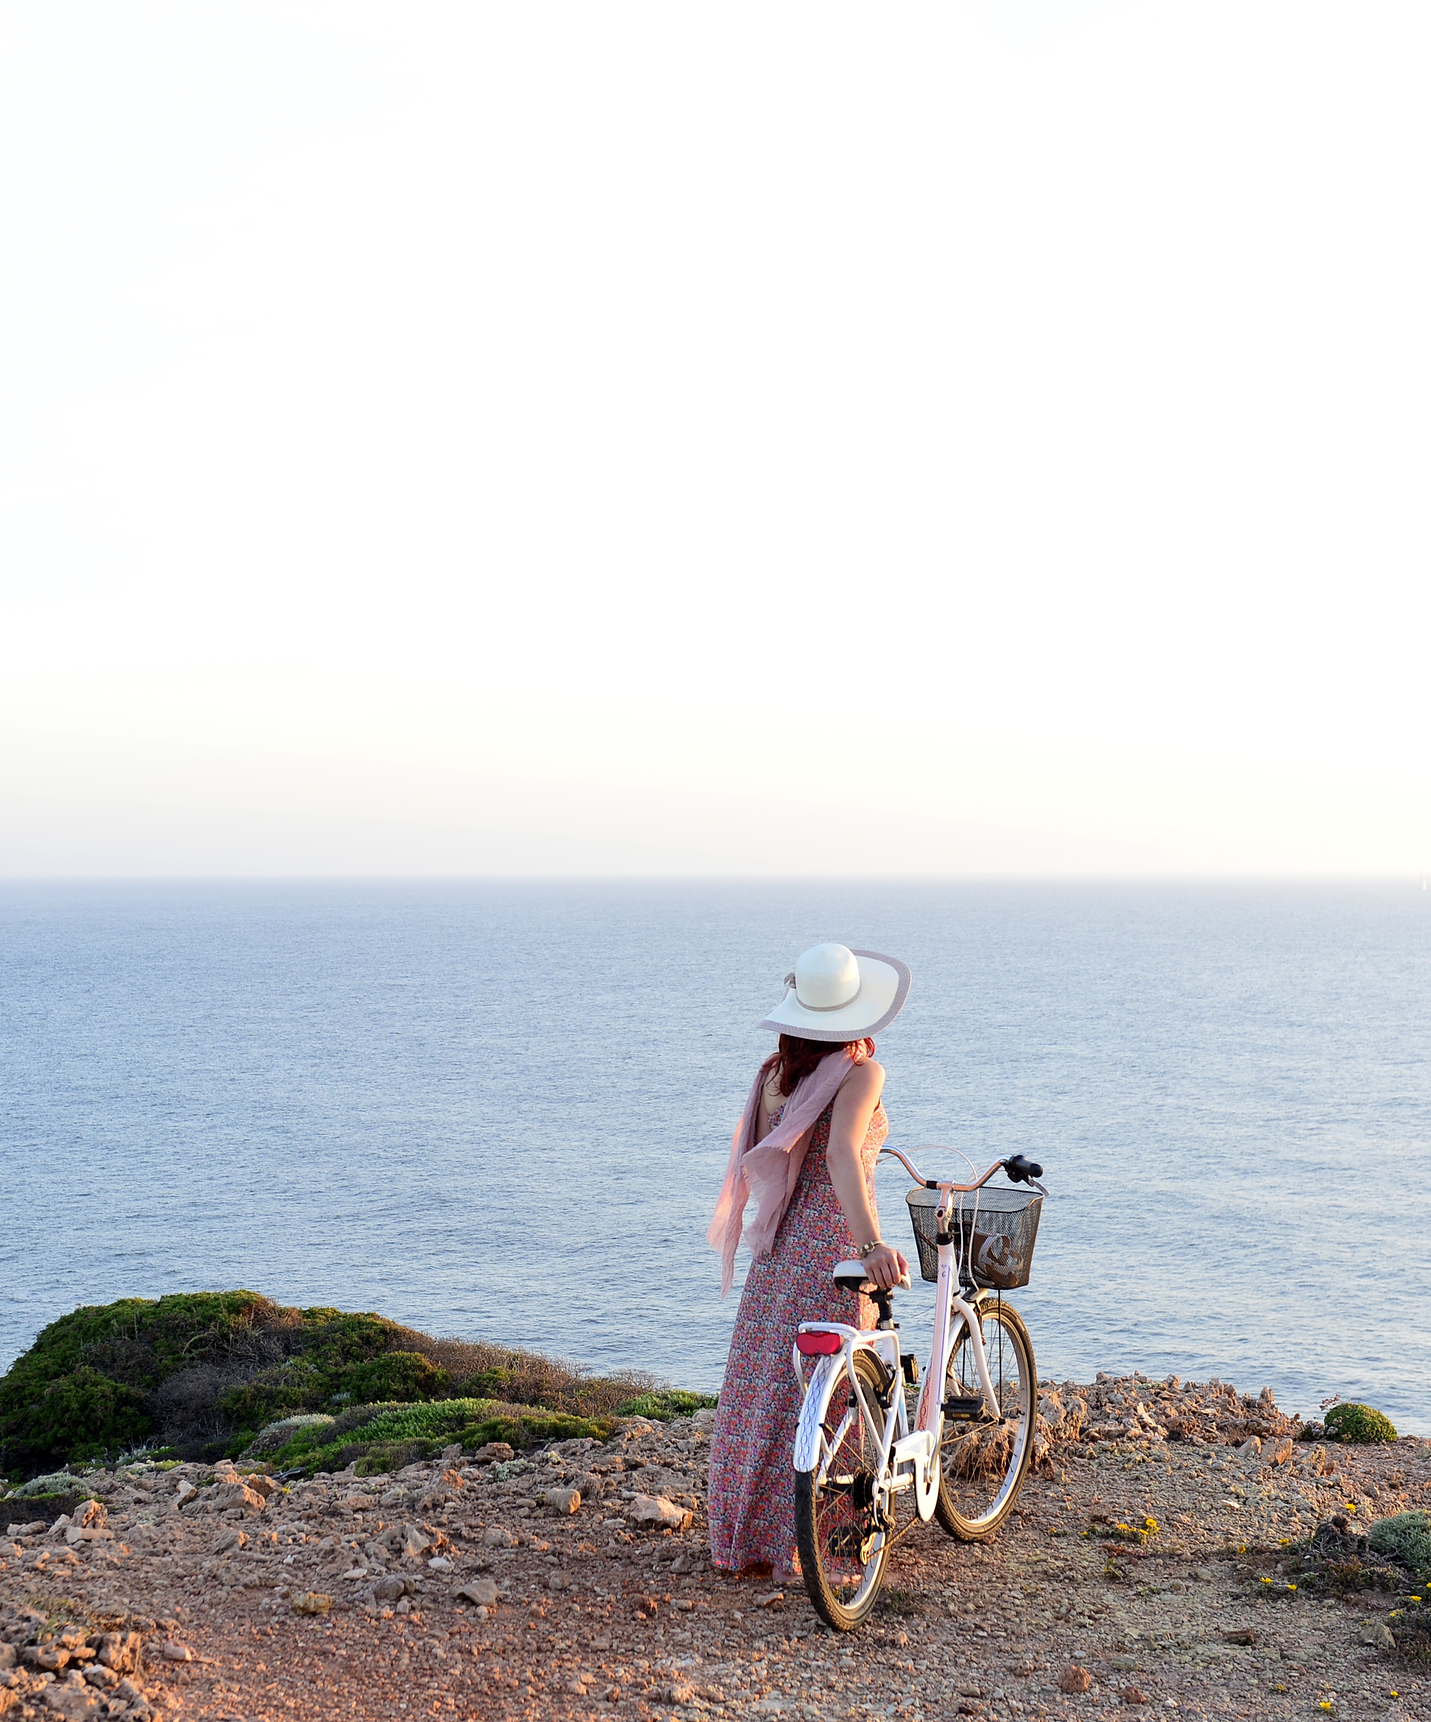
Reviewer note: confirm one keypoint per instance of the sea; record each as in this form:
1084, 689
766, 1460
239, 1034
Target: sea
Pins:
502, 1110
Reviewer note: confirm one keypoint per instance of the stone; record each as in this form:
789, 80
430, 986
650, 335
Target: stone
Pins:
389, 1589
173, 1652
657, 1510
1283, 1451
704, 1418
416, 1542
121, 1651
678, 1692
262, 1485
1074, 1679
1379, 1635
564, 1501
185, 1492
47, 1658
224, 1496
495, 1452
92, 1513
311, 1602
1239, 1635
103, 1679
497, 1537
482, 1592
1131, 1695
230, 1539
75, 1703
1250, 1446
357, 1503
7, 1656
440, 1564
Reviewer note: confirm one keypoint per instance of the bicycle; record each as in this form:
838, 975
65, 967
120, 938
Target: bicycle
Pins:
964, 1452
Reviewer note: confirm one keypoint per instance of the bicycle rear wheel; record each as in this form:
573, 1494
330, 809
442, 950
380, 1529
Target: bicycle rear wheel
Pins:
982, 1465
843, 1548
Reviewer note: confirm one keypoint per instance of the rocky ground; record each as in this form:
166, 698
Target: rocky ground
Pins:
574, 1584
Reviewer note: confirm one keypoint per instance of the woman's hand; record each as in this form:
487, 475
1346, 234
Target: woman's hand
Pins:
886, 1267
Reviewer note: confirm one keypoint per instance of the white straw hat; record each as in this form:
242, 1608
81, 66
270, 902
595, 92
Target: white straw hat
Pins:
839, 994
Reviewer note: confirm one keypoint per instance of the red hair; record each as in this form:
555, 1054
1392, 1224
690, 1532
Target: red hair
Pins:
794, 1059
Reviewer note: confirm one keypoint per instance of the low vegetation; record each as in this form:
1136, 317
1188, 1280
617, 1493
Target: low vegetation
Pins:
201, 1375
1353, 1422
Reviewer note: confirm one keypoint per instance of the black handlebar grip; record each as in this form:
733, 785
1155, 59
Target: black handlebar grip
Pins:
1020, 1170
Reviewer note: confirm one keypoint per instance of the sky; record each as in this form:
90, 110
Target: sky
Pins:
983, 440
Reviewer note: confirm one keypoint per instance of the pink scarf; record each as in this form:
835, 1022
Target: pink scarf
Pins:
769, 1168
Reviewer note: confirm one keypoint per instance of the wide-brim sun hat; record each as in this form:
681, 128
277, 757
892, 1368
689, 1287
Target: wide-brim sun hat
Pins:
839, 994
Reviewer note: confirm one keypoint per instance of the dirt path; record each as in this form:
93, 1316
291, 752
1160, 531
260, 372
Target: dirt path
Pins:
595, 1613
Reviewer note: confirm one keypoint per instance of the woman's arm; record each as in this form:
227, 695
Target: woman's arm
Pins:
849, 1124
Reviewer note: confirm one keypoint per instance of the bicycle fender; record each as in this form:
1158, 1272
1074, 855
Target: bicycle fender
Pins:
812, 1412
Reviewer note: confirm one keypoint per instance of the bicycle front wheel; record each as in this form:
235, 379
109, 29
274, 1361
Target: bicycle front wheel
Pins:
843, 1547
982, 1465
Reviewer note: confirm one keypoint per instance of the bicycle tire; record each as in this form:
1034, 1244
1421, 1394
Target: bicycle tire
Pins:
834, 1520
982, 1469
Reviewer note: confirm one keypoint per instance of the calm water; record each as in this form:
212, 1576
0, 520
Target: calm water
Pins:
503, 1110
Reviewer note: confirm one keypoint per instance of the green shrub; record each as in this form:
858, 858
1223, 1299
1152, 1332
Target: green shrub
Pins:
202, 1374
665, 1403
397, 1375
1353, 1422
1406, 1536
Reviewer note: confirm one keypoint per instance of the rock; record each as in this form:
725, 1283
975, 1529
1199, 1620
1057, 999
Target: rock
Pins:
1239, 1635
565, 1501
1131, 1695
440, 1564
185, 1492
416, 1542
482, 1592
704, 1418
92, 1513
678, 1692
7, 1656
494, 1452
309, 1602
389, 1589
1250, 1446
75, 1703
1074, 1679
121, 1651
103, 1679
657, 1510
223, 1496
177, 1652
262, 1485
497, 1537
47, 1658
357, 1503
230, 1539
1379, 1635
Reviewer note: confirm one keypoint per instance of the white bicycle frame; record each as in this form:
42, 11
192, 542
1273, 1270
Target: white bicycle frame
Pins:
909, 1458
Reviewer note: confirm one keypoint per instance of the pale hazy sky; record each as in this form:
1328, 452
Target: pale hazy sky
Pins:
766, 438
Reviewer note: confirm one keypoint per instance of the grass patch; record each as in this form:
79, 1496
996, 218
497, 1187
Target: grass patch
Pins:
664, 1404
381, 1438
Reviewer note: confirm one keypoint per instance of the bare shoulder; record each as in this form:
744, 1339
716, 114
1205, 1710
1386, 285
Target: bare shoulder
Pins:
865, 1082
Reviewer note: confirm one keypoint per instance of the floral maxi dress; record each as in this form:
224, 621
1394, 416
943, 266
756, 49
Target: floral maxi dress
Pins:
752, 1479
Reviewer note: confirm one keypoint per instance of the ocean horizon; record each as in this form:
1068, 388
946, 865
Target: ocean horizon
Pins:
502, 1109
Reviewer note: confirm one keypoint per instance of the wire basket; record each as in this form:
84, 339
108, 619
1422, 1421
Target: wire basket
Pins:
994, 1248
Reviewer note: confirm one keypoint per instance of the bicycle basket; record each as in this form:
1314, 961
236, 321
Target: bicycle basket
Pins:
994, 1249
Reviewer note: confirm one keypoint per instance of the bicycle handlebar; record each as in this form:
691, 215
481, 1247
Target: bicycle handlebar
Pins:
1019, 1169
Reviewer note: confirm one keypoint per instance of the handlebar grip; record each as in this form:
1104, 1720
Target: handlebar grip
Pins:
1021, 1170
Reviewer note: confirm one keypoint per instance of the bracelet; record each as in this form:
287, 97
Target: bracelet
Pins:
869, 1249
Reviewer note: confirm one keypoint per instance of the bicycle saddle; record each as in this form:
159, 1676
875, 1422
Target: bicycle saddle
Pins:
851, 1276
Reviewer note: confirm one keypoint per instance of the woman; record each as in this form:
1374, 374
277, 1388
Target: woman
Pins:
805, 1151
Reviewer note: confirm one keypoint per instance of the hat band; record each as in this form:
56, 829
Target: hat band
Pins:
844, 1004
